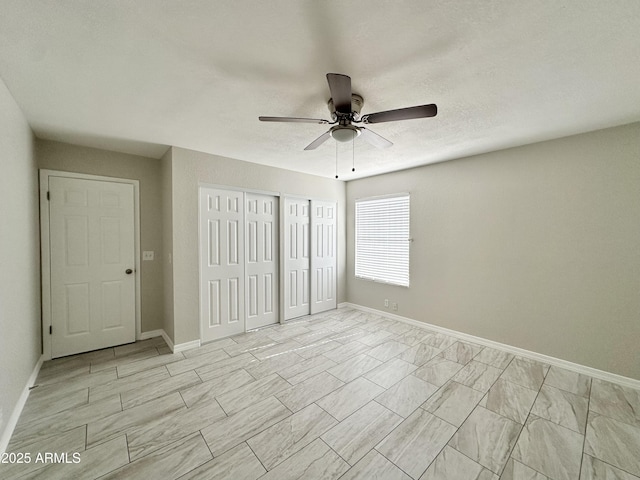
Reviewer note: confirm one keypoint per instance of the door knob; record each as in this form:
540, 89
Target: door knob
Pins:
128, 271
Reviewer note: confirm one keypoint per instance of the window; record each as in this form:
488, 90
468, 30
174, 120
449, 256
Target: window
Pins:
382, 239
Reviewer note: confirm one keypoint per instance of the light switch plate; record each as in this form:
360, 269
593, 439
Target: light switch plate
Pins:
147, 255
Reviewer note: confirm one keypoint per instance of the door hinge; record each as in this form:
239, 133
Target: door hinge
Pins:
50, 329
48, 195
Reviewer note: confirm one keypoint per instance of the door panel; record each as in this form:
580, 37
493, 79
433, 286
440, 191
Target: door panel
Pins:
214, 303
92, 243
76, 310
324, 258
222, 263
296, 262
261, 220
111, 314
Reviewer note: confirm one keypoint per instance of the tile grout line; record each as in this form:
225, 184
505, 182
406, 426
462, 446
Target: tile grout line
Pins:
466, 418
183, 401
332, 450
614, 466
126, 438
586, 426
474, 461
471, 412
525, 424
316, 404
392, 463
246, 442
198, 466
398, 426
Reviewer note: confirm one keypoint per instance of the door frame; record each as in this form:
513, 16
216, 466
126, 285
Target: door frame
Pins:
45, 256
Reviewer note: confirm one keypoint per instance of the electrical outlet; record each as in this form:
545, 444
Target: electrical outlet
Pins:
394, 306
147, 255
386, 303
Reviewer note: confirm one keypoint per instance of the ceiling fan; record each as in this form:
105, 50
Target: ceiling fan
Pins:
345, 107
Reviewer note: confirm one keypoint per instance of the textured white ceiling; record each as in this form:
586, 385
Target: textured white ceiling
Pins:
136, 76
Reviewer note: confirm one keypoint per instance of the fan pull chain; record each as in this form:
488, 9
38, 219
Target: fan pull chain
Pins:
353, 154
336, 159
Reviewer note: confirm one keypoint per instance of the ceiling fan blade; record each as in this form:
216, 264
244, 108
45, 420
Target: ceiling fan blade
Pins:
293, 120
421, 111
318, 141
340, 87
374, 139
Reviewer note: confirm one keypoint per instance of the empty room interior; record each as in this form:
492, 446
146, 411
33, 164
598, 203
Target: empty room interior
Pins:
320, 239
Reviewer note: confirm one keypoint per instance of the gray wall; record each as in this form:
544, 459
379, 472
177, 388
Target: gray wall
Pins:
189, 169
71, 158
167, 241
537, 247
20, 343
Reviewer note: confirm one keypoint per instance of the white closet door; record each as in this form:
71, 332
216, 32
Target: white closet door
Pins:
222, 263
323, 256
91, 225
296, 258
261, 242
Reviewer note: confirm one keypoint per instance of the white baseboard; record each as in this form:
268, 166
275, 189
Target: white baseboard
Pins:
17, 410
157, 333
558, 362
168, 341
151, 334
181, 347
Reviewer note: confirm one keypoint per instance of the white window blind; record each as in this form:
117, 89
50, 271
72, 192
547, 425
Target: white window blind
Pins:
383, 240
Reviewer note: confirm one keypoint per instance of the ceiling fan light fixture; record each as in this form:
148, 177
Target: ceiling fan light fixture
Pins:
344, 133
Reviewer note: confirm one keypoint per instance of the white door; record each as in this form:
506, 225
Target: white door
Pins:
92, 243
221, 263
261, 242
296, 258
323, 256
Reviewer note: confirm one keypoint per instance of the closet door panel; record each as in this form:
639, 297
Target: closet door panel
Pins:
222, 284
297, 259
261, 243
323, 256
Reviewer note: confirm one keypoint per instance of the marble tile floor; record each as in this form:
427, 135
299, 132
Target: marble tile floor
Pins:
344, 394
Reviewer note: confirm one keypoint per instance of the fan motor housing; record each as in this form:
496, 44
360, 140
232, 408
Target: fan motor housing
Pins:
356, 106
